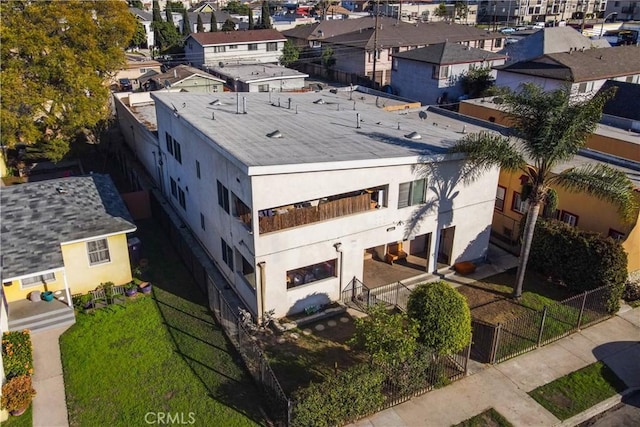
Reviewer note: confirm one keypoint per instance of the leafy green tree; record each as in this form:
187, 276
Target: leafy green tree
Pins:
443, 317
290, 53
460, 10
388, 338
135, 3
229, 25
213, 22
167, 35
58, 58
139, 38
168, 13
237, 8
199, 25
176, 6
551, 128
328, 60
186, 25
265, 16
441, 11
477, 81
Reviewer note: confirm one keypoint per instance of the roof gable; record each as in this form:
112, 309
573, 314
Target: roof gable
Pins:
448, 53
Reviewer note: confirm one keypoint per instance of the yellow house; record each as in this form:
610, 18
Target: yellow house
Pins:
65, 236
609, 144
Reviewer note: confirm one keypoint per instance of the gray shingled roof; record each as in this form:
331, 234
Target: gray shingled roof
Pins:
625, 103
448, 53
180, 73
580, 66
550, 40
38, 216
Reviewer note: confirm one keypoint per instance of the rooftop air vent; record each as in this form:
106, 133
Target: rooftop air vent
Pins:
215, 102
319, 101
498, 100
61, 190
413, 135
275, 134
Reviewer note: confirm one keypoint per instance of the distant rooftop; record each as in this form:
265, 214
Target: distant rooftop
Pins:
250, 73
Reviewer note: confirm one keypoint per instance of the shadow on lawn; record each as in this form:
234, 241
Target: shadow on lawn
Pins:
197, 338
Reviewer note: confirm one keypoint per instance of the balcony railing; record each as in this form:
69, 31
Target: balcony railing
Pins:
297, 216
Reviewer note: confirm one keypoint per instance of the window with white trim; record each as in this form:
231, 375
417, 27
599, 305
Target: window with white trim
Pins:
569, 218
253, 46
272, 46
39, 280
500, 195
617, 235
518, 204
98, 251
412, 193
311, 273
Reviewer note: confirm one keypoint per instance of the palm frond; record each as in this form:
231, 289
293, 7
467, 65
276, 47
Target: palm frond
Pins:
485, 150
603, 182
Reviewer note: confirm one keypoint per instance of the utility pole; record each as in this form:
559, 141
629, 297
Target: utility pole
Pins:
584, 15
375, 43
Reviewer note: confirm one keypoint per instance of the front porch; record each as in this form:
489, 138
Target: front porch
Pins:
378, 273
39, 315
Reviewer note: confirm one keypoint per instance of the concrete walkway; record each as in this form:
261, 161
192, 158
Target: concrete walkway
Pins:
49, 405
504, 387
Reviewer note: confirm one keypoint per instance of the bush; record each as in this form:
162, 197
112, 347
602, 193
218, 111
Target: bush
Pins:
17, 353
631, 291
342, 398
388, 338
17, 393
443, 317
579, 259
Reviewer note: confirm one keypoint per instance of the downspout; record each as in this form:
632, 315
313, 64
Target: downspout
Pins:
338, 247
260, 302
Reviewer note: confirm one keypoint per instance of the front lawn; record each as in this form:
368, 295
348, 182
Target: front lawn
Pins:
488, 418
490, 299
157, 354
578, 391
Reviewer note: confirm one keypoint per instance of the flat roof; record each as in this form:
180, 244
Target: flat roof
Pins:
249, 73
316, 128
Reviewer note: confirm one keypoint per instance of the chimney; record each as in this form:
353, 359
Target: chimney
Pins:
357, 120
244, 105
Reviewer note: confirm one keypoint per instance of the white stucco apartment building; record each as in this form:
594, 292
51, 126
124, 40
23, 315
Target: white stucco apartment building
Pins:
290, 195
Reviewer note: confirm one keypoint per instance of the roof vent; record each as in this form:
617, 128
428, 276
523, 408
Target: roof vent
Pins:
61, 190
215, 102
413, 135
319, 101
275, 134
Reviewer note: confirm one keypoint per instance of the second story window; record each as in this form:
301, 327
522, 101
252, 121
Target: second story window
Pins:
272, 46
174, 188
500, 194
412, 193
223, 197
169, 141
177, 151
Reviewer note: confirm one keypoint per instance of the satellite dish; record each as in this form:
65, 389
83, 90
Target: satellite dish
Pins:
167, 84
422, 115
221, 64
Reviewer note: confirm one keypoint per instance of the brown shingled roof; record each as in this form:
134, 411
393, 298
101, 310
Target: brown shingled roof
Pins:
231, 37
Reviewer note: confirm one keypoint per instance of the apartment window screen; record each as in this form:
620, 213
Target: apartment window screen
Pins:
412, 193
500, 194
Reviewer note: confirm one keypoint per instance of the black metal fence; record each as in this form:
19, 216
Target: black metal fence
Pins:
254, 359
358, 294
497, 343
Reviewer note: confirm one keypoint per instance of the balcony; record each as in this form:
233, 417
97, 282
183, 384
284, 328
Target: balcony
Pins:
284, 217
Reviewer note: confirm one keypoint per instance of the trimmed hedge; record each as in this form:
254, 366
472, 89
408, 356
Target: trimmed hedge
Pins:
344, 397
17, 353
581, 260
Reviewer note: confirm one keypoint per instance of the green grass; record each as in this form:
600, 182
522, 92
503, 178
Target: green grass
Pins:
578, 391
158, 353
488, 418
24, 420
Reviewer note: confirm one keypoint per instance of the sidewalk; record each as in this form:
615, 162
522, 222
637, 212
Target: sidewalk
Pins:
49, 405
504, 387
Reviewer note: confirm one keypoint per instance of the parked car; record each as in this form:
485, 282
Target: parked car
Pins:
125, 85
508, 30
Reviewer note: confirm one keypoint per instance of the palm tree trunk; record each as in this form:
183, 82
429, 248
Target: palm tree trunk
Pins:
527, 238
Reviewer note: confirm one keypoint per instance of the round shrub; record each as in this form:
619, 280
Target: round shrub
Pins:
631, 291
17, 393
443, 316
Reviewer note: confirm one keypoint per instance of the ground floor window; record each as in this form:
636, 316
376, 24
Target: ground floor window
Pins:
39, 280
311, 273
247, 270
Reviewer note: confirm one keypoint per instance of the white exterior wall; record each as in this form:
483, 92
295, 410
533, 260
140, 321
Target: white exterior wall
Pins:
275, 85
513, 81
297, 247
414, 80
200, 55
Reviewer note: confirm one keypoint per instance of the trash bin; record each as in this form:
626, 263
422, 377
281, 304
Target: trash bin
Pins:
135, 245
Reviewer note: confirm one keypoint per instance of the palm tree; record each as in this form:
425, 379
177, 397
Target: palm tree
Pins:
549, 129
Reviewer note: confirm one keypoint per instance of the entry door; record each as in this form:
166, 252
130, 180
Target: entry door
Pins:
445, 245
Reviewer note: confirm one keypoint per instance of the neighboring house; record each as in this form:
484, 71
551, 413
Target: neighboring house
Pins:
293, 197
550, 40
613, 142
138, 69
64, 235
426, 11
623, 110
221, 18
584, 70
260, 77
626, 10
432, 74
353, 42
211, 49
519, 12
335, 11
184, 77
145, 18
